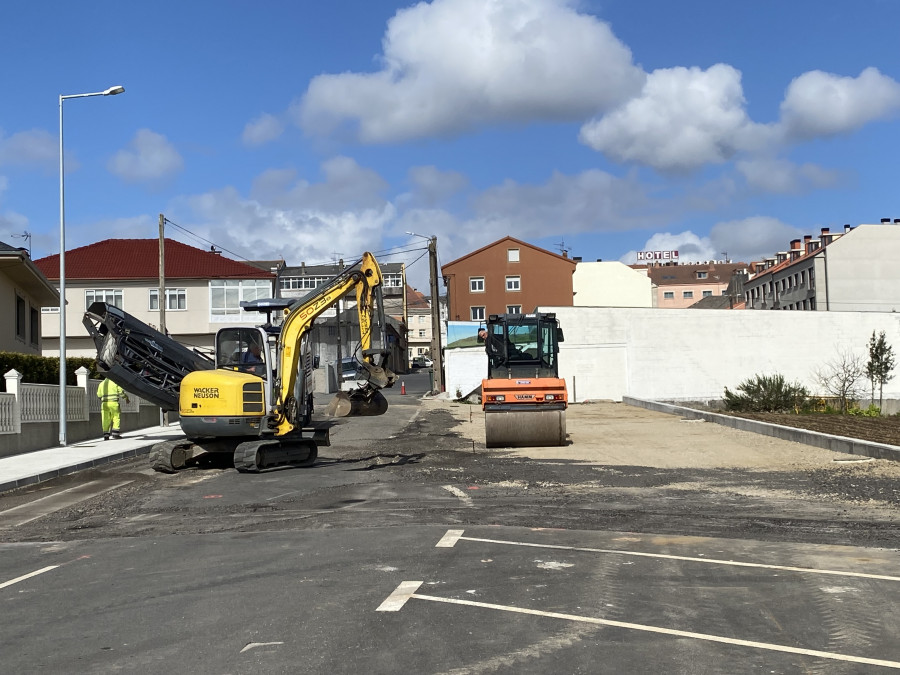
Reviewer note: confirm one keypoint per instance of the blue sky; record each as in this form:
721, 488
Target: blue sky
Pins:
312, 131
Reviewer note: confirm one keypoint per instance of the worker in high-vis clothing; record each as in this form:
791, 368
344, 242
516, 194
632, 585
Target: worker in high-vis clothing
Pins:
109, 394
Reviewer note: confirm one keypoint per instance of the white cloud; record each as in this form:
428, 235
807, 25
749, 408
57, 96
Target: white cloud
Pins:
35, 148
743, 240
341, 215
149, 158
433, 186
451, 65
752, 238
825, 104
784, 177
262, 130
684, 118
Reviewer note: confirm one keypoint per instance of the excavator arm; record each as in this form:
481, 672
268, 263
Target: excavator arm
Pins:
365, 278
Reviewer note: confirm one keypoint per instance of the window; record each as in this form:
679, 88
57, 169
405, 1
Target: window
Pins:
803, 277
20, 317
702, 275
393, 279
421, 332
423, 318
35, 326
176, 298
513, 283
668, 295
687, 295
108, 295
512, 255
476, 313
707, 294
476, 284
421, 350
514, 309
301, 283
226, 296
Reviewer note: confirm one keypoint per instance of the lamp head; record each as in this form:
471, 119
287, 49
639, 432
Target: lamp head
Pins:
112, 91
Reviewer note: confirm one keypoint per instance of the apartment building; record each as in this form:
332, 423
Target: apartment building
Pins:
854, 270
203, 290
509, 276
680, 285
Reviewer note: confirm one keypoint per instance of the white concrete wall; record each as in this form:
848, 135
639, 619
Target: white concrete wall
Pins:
694, 353
611, 284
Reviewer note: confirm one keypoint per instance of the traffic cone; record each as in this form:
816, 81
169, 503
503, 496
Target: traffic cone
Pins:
402, 387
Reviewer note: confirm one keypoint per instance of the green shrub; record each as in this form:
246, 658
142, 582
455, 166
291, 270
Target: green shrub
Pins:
872, 411
43, 369
766, 393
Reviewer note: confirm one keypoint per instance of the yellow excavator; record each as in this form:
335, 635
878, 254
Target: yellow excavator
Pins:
256, 404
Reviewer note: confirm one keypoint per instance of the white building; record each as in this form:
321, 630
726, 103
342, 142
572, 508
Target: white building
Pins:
611, 284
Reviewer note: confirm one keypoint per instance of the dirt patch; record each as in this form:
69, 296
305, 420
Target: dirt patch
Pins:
873, 429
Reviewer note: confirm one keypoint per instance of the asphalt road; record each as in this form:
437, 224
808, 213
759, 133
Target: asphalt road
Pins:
410, 548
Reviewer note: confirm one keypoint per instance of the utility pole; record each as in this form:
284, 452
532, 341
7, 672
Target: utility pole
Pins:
162, 274
161, 298
436, 358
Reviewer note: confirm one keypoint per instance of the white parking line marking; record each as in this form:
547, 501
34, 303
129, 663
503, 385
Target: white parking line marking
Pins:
449, 540
27, 576
643, 628
462, 496
708, 561
395, 601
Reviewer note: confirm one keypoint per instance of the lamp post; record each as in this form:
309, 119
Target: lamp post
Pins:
437, 367
112, 91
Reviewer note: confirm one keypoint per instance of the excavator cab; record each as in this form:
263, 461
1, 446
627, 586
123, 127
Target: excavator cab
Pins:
523, 398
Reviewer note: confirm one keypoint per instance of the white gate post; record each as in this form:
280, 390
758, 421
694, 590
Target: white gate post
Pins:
81, 376
13, 380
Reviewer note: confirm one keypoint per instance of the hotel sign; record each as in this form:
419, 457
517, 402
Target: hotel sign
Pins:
657, 255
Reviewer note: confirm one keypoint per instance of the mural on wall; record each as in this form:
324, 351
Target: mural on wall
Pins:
463, 334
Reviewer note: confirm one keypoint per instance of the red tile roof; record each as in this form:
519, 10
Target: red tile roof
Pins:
415, 299
139, 259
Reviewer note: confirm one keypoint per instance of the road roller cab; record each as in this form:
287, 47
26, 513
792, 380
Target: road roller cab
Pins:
523, 397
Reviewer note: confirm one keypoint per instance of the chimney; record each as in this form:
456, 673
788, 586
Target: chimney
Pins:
599, 259
565, 254
847, 228
795, 244
885, 220
302, 268
576, 258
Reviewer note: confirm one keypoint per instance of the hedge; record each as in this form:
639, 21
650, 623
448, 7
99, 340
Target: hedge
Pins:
45, 369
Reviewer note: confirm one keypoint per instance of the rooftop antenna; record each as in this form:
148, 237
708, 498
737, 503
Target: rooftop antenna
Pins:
562, 247
27, 237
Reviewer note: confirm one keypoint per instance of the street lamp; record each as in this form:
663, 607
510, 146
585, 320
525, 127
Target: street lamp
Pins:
437, 359
112, 91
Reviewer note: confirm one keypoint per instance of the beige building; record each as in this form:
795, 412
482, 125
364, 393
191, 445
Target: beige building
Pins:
203, 291
24, 292
611, 284
418, 335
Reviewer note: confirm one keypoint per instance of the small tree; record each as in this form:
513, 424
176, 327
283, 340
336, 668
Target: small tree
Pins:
880, 364
841, 377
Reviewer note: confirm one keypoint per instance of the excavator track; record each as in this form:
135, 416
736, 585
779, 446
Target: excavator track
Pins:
254, 456
171, 456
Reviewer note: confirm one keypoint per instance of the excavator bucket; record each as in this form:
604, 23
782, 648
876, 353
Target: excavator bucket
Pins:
357, 403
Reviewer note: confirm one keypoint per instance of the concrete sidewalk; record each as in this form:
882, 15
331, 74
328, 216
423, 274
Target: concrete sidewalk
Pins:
41, 465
